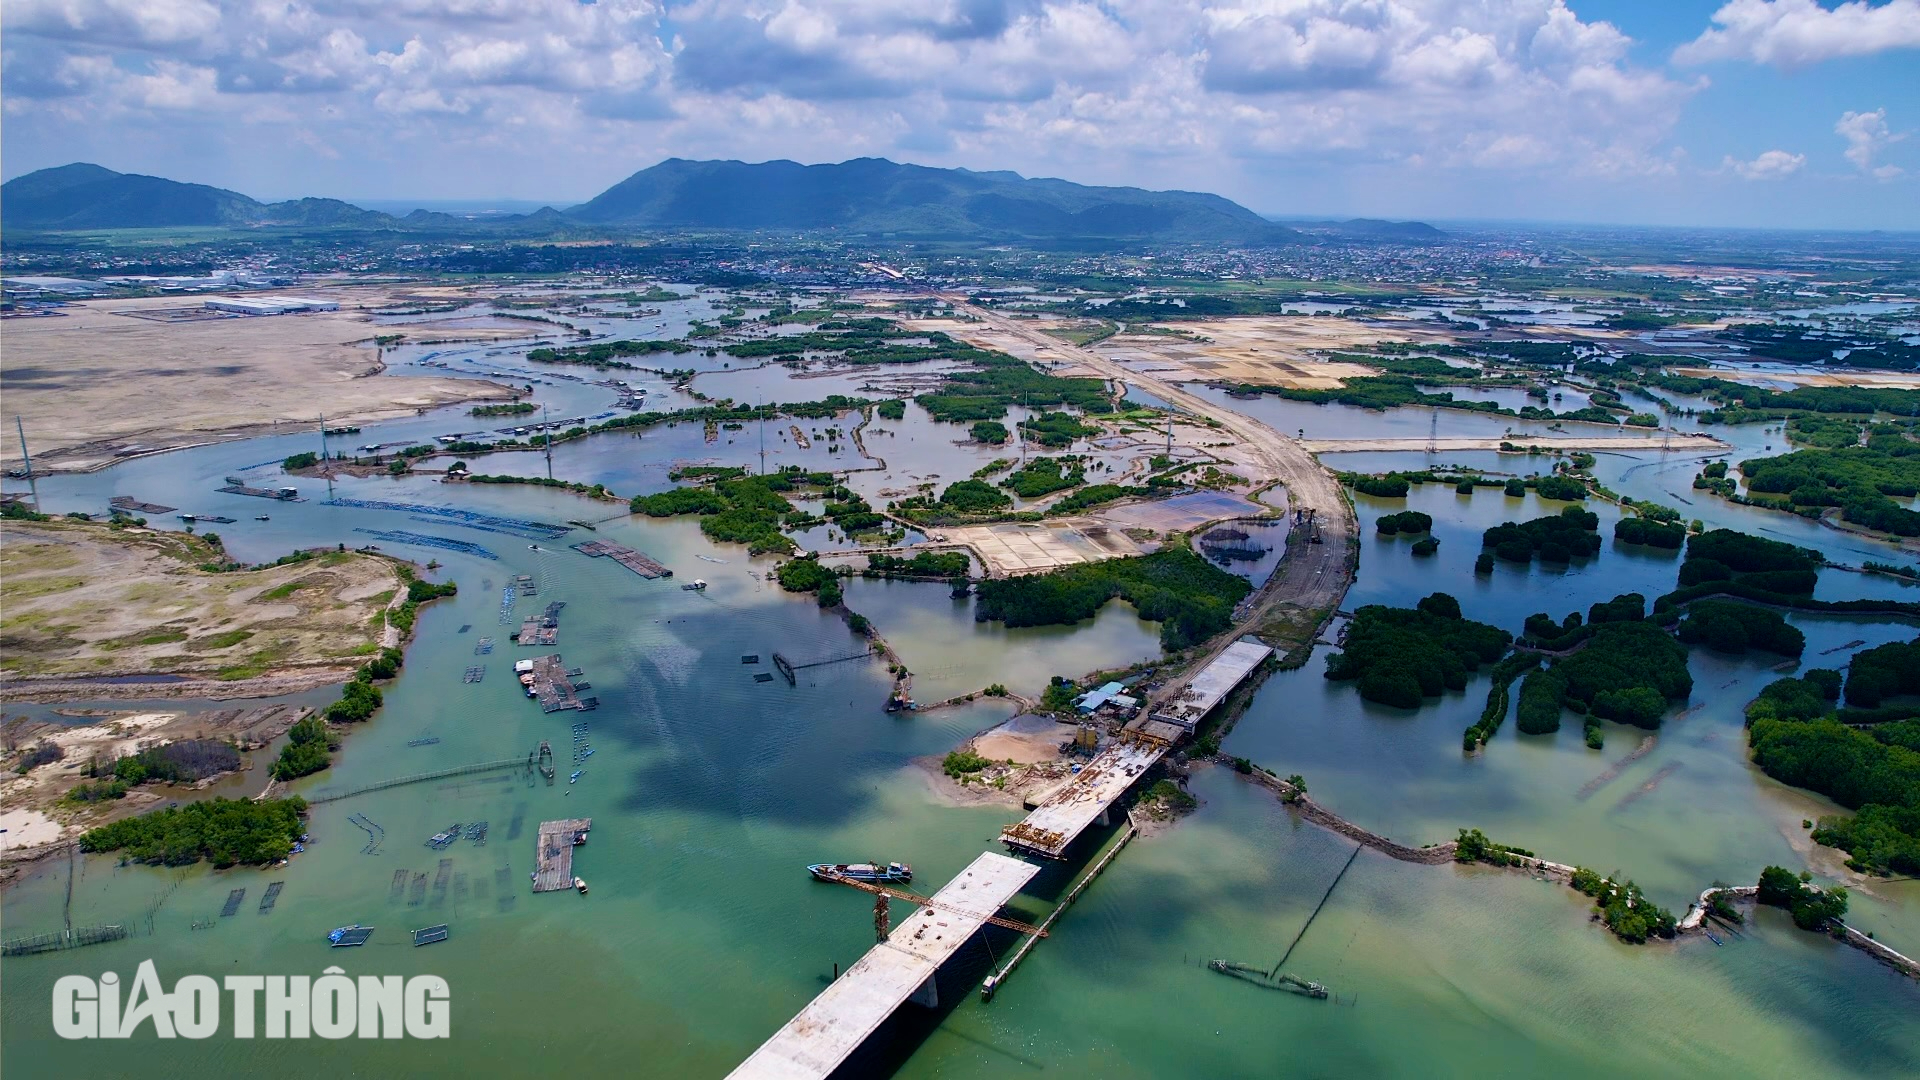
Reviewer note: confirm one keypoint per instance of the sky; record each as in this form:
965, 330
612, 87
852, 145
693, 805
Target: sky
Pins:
1749, 113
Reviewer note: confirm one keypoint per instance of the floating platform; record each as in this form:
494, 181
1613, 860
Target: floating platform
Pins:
637, 561
233, 902
208, 519
237, 486
474, 673
534, 632
553, 858
348, 936
135, 506
427, 935
272, 896
815, 1042
554, 689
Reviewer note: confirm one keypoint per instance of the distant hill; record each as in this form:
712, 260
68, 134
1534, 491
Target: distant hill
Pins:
1387, 232
873, 196
82, 196
869, 197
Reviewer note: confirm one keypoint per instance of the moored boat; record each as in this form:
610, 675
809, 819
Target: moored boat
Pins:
891, 873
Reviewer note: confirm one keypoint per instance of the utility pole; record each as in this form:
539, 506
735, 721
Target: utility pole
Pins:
326, 467
32, 485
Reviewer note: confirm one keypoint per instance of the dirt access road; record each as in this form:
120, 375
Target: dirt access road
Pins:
1313, 578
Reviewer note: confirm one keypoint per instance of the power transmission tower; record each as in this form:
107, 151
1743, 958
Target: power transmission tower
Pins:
549, 437
326, 468
32, 485
1433, 433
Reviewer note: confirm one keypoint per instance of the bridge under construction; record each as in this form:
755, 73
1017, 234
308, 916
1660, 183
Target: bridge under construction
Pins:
896, 970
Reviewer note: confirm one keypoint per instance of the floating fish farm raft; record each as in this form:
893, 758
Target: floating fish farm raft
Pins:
135, 506
534, 530
637, 561
396, 536
237, 486
553, 859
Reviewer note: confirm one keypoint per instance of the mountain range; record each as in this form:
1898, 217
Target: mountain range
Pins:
869, 197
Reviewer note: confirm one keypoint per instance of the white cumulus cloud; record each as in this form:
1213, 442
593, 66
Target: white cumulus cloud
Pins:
1866, 134
1772, 165
1795, 33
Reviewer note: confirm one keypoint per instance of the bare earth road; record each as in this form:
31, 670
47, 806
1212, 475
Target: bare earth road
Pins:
1313, 577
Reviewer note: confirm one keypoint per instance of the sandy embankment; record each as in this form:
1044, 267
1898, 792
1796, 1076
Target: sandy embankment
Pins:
92, 382
1031, 742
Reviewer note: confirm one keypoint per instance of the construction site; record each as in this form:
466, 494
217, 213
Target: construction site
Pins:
904, 964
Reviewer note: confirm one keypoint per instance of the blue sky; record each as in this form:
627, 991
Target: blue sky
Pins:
1769, 113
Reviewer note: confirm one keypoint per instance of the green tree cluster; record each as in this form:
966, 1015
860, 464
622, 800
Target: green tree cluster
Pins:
1499, 698
989, 431
803, 575
1094, 495
1884, 671
891, 409
1626, 671
973, 497
1057, 429
224, 832
1473, 846
1730, 627
1401, 656
1864, 481
1410, 522
1045, 475
940, 564
1796, 737
1812, 907
308, 750
1624, 908
1660, 534
1190, 597
1557, 538
1390, 486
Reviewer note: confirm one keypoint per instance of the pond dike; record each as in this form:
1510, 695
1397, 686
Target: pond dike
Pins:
1694, 921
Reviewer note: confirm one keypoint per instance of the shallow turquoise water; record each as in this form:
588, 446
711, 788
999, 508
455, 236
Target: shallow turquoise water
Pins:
710, 791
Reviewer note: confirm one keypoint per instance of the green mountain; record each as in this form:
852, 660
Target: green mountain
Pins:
82, 196
873, 196
869, 197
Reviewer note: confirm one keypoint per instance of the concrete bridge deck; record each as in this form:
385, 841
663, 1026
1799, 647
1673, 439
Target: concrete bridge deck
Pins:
1066, 811
833, 1025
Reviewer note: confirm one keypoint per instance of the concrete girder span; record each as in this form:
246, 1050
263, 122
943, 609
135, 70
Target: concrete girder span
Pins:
901, 968
1065, 812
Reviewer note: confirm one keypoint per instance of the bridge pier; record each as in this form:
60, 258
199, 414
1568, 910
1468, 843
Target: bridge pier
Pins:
928, 996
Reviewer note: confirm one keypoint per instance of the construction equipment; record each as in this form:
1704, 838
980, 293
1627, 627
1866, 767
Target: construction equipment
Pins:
882, 918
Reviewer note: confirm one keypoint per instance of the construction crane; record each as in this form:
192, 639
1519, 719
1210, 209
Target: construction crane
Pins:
882, 919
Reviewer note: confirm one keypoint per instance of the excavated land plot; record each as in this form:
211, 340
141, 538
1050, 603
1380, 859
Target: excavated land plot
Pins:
94, 383
1269, 350
82, 602
1012, 548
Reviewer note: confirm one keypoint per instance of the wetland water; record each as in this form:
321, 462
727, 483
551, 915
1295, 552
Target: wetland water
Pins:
710, 791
